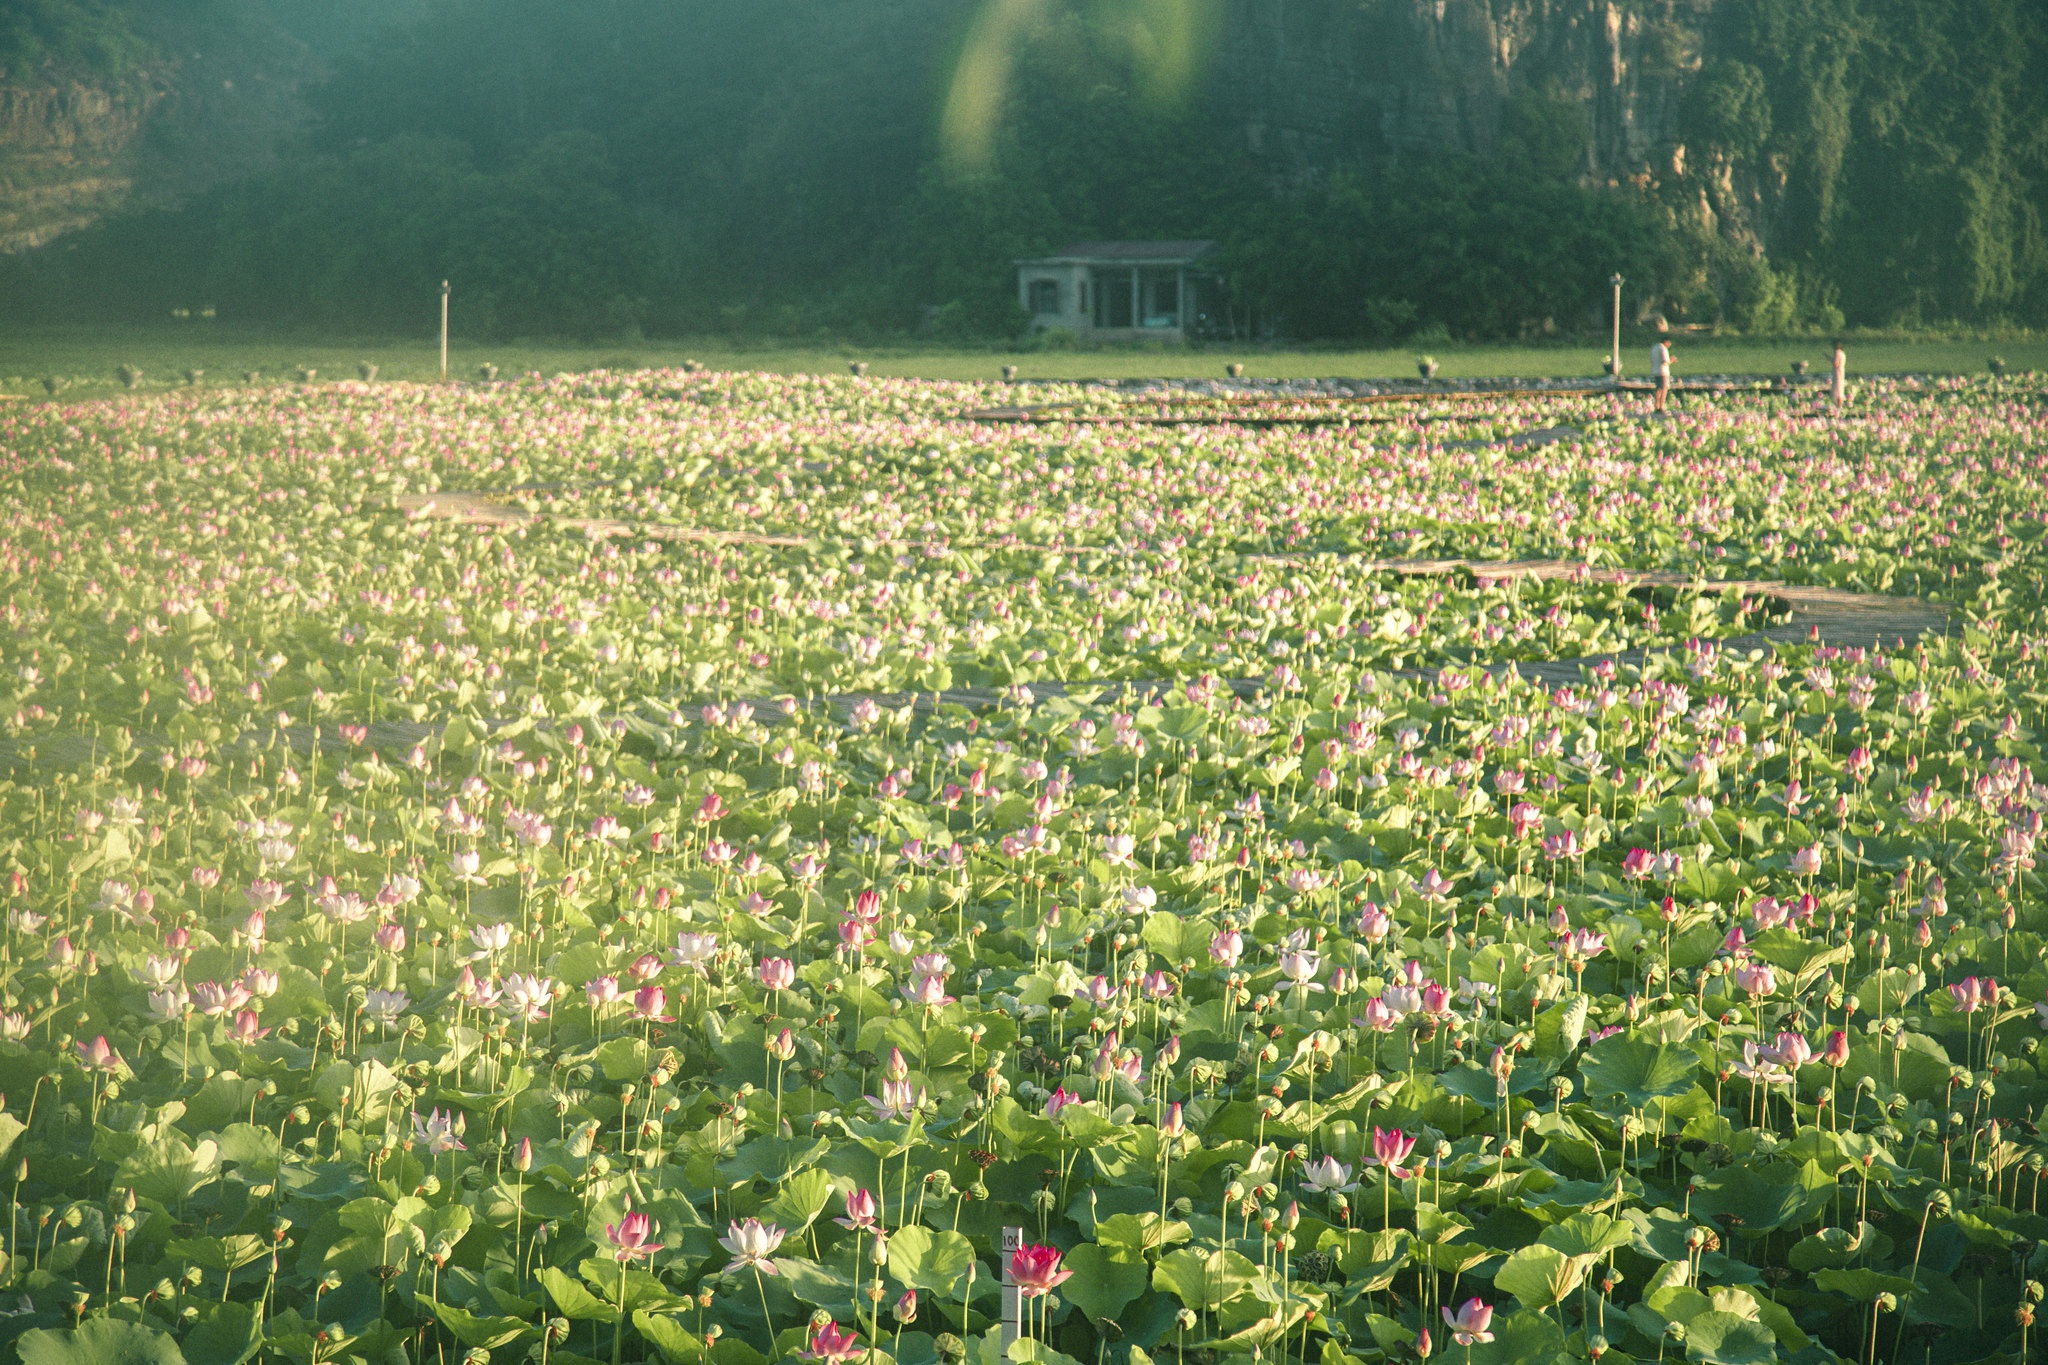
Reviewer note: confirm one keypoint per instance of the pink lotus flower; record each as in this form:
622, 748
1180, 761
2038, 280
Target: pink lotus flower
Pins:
1035, 1271
98, 1055
1469, 1323
835, 1345
634, 1237
1757, 978
1058, 1100
751, 1244
898, 1101
245, 1028
1300, 969
649, 1002
213, 998
1836, 1053
1226, 948
777, 973
1638, 863
1582, 944
861, 1211
436, 1133
1380, 1017
1973, 993
1792, 1049
1806, 861
928, 991
1390, 1149
693, 951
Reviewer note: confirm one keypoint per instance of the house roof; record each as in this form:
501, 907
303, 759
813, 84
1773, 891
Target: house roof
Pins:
1124, 253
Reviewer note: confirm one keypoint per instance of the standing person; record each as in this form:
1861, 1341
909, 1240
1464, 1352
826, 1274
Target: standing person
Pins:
1660, 369
1841, 380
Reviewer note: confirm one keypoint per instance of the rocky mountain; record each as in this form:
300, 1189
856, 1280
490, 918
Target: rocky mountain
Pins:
106, 105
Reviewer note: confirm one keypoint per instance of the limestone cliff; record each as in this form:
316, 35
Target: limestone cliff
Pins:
1323, 83
212, 97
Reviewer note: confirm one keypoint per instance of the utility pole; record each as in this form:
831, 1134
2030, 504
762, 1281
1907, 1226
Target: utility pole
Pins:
444, 326
1616, 352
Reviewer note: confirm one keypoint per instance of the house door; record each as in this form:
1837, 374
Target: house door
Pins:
1116, 305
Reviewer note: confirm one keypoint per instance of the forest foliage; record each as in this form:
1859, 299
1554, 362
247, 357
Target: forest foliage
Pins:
782, 167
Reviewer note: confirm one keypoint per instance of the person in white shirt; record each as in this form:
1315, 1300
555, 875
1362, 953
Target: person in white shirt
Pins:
1660, 369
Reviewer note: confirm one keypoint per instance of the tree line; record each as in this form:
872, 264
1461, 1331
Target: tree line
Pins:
610, 167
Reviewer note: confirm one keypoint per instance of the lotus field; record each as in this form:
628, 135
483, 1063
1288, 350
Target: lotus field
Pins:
627, 940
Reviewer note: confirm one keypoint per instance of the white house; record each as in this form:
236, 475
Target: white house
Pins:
1118, 290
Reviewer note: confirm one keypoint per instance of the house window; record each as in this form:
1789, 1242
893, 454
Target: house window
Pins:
1045, 297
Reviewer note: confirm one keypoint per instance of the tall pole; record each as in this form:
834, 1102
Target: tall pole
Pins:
1013, 1297
444, 328
1616, 352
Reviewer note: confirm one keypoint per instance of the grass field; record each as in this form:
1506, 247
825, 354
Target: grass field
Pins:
88, 359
